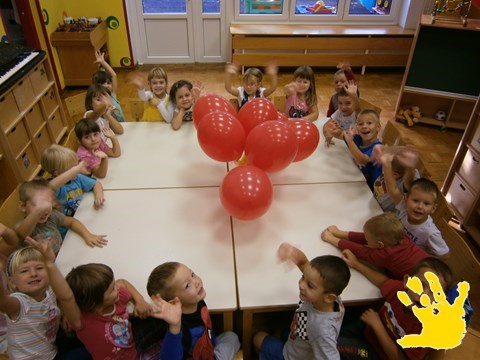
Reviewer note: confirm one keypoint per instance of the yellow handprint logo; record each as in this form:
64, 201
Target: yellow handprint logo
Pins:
443, 323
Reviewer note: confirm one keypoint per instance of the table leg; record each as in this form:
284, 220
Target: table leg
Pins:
247, 334
228, 321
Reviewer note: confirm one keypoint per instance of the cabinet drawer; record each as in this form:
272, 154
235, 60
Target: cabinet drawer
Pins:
475, 140
34, 119
8, 110
18, 138
27, 163
470, 169
39, 79
461, 197
24, 95
41, 141
56, 126
49, 101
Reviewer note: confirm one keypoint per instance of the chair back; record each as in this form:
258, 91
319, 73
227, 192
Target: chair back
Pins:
10, 215
364, 104
76, 106
137, 107
71, 141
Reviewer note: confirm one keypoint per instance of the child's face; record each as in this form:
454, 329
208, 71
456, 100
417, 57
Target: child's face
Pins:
108, 85
91, 141
40, 198
188, 287
110, 297
311, 288
420, 204
345, 105
302, 85
184, 98
100, 102
251, 86
339, 81
426, 286
158, 86
31, 278
368, 127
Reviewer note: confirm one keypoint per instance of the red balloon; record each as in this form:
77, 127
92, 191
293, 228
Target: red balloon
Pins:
282, 116
211, 103
307, 135
271, 146
221, 136
255, 112
246, 192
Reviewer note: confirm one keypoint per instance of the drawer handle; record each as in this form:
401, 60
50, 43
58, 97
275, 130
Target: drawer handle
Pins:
20, 83
462, 187
39, 136
2, 99
13, 130
53, 117
30, 111
475, 160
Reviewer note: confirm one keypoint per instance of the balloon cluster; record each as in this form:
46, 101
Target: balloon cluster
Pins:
266, 138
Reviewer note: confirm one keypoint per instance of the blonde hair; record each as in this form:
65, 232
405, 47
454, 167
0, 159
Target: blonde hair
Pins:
371, 112
253, 73
160, 280
57, 159
157, 73
385, 228
21, 256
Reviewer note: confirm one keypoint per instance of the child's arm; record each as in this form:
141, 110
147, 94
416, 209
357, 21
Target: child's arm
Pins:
9, 305
333, 235
352, 90
293, 254
170, 311
100, 59
197, 89
101, 170
374, 276
166, 108
142, 308
390, 182
313, 113
230, 71
58, 181
90, 239
272, 71
114, 123
9, 236
98, 194
290, 88
115, 150
60, 287
27, 226
358, 155
177, 120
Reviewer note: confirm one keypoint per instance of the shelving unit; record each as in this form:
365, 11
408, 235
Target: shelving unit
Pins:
32, 118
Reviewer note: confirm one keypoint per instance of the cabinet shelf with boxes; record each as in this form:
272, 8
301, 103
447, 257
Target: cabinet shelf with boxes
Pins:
32, 118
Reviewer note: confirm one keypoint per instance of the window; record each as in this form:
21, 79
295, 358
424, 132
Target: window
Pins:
178, 7
324, 10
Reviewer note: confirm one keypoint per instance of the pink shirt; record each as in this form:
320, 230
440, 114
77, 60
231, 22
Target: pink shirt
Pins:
89, 157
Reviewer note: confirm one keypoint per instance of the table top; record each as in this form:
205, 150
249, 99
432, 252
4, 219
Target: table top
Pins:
145, 228
155, 156
298, 215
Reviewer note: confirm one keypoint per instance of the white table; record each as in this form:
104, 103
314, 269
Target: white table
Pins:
155, 156
148, 227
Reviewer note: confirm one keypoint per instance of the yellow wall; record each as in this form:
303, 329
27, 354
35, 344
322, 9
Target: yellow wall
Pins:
2, 29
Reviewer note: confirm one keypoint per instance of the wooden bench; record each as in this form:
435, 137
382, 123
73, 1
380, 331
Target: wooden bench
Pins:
316, 45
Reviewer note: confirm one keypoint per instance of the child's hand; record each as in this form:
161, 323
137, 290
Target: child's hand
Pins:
285, 252
327, 236
109, 133
231, 69
345, 66
98, 202
197, 89
334, 230
170, 311
142, 309
351, 88
371, 318
96, 240
99, 57
44, 247
154, 101
349, 258
100, 154
136, 78
271, 70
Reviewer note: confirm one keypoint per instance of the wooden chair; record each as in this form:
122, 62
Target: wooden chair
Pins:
443, 210
76, 106
10, 215
137, 107
71, 141
364, 104
390, 135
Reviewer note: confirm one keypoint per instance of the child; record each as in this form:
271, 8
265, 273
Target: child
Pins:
158, 106
99, 109
37, 202
178, 295
342, 77
301, 95
321, 309
383, 243
33, 317
99, 315
378, 337
93, 150
252, 83
361, 142
344, 118
183, 95
107, 77
68, 181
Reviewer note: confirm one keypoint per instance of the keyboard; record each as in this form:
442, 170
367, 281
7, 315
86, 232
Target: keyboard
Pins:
10, 69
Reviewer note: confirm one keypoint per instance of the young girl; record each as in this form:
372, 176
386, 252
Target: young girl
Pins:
99, 315
252, 83
99, 109
33, 317
42, 220
107, 77
178, 295
183, 95
158, 106
342, 78
302, 95
93, 149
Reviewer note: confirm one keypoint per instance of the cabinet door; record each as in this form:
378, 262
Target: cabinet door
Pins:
34, 119
56, 126
41, 141
470, 170
461, 196
28, 164
49, 102
475, 140
8, 110
24, 95
18, 138
39, 79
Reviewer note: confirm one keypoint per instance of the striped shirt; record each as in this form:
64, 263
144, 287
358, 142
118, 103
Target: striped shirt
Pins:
32, 335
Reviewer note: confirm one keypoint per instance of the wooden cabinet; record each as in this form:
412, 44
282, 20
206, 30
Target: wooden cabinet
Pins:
442, 73
76, 51
31, 118
462, 185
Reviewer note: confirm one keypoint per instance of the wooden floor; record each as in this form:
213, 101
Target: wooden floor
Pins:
378, 86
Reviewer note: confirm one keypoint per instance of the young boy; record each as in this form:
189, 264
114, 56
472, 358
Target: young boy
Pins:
414, 210
68, 180
394, 319
344, 117
343, 76
317, 321
178, 295
383, 243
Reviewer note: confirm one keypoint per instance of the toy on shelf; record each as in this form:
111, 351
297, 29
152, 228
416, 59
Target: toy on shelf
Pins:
320, 8
440, 115
411, 114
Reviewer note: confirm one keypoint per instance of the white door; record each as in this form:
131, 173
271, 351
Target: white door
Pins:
178, 31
